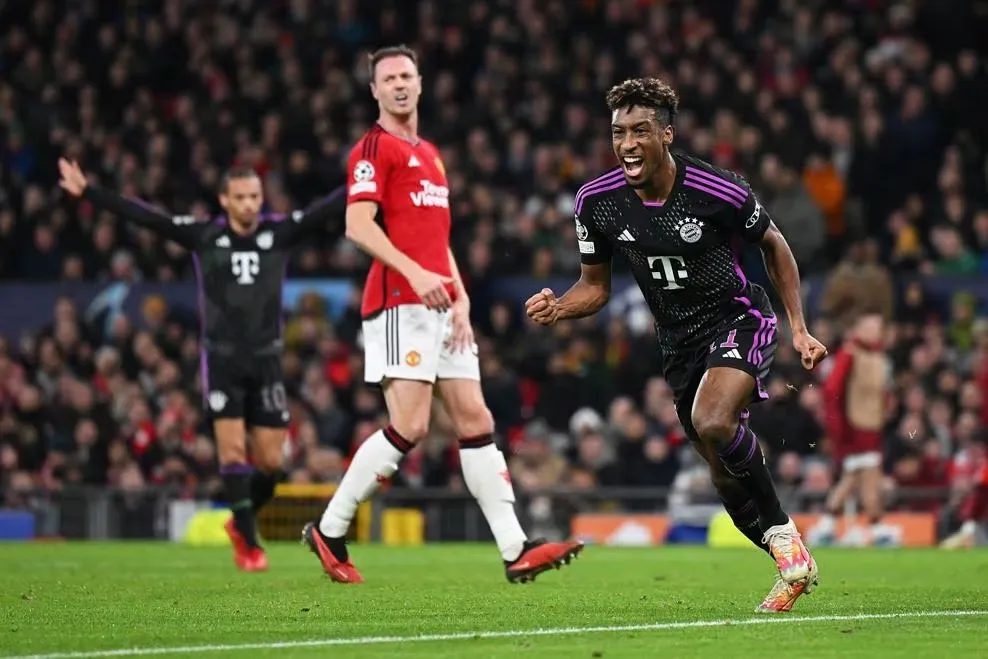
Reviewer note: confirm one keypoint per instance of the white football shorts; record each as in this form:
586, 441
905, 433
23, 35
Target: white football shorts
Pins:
410, 342
859, 461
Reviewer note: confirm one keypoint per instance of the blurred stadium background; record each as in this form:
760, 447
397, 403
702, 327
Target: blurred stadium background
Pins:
861, 123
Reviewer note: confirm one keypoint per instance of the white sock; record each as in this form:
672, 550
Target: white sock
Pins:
375, 461
486, 476
827, 523
970, 527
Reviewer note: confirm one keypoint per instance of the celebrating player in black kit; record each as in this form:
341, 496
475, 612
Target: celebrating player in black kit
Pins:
680, 223
240, 260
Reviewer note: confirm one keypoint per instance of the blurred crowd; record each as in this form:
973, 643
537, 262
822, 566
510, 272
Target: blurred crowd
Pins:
858, 122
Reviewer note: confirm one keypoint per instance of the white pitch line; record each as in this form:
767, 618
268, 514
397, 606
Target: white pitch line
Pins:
466, 636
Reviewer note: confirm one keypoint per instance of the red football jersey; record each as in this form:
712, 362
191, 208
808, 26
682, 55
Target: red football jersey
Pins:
408, 182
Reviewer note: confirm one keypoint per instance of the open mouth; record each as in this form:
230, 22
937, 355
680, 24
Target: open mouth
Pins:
401, 98
633, 166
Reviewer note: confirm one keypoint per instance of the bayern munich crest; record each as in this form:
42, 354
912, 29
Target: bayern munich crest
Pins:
690, 229
265, 240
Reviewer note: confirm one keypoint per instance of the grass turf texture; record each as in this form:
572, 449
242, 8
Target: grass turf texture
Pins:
80, 598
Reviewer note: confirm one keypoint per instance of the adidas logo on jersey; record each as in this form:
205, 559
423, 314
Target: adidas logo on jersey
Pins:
223, 241
732, 354
414, 162
626, 237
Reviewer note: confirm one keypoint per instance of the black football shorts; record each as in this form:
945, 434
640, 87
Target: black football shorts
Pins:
748, 343
246, 386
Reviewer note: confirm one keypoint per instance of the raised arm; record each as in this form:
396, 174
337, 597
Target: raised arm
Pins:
319, 214
183, 229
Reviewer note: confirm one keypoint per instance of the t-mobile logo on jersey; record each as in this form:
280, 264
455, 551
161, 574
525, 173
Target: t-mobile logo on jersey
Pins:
246, 266
431, 195
670, 269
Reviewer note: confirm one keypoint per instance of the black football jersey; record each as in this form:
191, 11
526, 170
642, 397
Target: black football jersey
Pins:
240, 277
684, 253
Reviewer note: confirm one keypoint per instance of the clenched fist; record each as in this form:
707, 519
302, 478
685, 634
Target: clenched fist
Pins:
811, 351
542, 307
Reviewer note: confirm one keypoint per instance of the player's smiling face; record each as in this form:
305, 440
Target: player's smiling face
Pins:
242, 200
640, 143
397, 85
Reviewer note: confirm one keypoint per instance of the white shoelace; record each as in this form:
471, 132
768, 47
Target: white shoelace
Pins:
780, 538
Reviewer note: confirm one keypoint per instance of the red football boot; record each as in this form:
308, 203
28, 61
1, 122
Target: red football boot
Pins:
539, 556
256, 561
340, 571
245, 557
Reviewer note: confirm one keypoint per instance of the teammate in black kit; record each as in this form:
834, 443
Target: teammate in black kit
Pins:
680, 222
240, 260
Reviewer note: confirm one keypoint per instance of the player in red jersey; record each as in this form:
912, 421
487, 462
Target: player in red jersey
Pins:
417, 335
857, 393
969, 481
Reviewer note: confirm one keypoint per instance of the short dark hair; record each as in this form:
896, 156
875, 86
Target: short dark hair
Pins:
235, 173
401, 50
651, 93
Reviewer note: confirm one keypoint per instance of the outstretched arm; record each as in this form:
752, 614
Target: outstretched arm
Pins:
183, 229
320, 213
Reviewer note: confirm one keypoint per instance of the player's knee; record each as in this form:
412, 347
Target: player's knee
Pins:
269, 460
871, 484
231, 453
714, 426
231, 441
475, 421
464, 401
412, 430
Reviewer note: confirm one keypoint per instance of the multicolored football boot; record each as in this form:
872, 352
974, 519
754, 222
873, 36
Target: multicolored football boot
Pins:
798, 573
790, 554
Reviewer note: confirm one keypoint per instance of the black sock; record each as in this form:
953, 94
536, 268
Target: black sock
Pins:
336, 545
743, 458
236, 483
745, 518
262, 486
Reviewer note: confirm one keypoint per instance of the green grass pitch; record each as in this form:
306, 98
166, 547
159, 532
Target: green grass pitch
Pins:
119, 600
